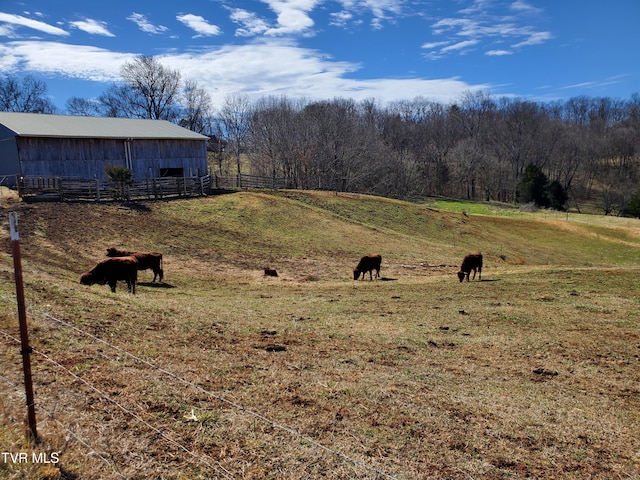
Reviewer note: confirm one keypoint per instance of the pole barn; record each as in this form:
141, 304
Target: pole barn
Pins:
43, 145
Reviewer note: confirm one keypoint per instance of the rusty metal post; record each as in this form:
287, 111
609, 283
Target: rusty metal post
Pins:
22, 318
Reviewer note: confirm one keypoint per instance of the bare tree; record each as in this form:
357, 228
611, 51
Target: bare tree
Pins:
273, 138
82, 107
24, 95
196, 108
148, 90
234, 122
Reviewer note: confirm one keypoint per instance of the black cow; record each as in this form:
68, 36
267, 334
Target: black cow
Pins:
110, 270
368, 263
146, 260
470, 262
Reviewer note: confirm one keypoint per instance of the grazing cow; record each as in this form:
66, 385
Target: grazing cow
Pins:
473, 261
368, 263
270, 272
110, 270
146, 260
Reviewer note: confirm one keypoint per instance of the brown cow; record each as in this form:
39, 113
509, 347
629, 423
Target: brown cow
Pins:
470, 262
368, 263
110, 270
146, 260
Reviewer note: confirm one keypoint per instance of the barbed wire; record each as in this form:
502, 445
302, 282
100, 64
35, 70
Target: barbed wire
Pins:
51, 416
224, 400
219, 468
292, 431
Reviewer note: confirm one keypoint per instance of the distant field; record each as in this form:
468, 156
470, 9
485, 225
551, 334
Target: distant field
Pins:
222, 372
508, 210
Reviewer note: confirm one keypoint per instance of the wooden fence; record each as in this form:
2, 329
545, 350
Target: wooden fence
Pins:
73, 189
237, 182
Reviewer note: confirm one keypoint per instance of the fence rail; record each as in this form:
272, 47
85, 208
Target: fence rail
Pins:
75, 188
248, 181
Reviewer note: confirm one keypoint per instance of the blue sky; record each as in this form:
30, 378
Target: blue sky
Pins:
542, 50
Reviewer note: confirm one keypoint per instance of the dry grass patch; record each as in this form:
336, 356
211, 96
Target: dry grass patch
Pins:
532, 372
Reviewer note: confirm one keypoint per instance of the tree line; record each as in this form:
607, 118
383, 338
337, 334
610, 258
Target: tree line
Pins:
479, 147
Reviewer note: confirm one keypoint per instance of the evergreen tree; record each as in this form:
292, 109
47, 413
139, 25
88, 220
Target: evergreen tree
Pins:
633, 208
533, 187
557, 195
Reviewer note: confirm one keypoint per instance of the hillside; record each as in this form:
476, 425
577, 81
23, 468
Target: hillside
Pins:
302, 232
222, 372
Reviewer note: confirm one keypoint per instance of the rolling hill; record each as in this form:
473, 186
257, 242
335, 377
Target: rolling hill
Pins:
223, 372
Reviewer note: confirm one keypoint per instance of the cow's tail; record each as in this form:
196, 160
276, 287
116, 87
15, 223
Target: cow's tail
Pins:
161, 268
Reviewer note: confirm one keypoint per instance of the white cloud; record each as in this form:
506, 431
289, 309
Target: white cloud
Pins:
273, 68
199, 25
292, 16
498, 53
340, 19
460, 46
93, 27
20, 21
534, 39
6, 30
379, 9
54, 58
353, 12
145, 25
250, 23
522, 6
595, 83
483, 22
432, 45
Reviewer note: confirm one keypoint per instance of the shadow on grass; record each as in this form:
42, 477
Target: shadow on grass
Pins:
156, 284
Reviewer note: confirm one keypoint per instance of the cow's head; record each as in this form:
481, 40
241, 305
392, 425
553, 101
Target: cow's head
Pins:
87, 279
91, 278
113, 252
356, 274
461, 275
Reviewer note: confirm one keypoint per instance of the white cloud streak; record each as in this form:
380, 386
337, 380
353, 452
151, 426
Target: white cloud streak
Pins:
145, 25
20, 21
199, 25
93, 27
482, 26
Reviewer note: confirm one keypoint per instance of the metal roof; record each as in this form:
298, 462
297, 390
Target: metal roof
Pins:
44, 125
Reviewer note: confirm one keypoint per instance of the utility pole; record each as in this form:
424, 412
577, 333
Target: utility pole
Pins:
25, 349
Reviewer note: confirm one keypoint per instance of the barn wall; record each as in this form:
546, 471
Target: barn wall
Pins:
87, 157
154, 155
9, 164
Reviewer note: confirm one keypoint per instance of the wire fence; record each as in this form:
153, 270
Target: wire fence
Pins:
211, 464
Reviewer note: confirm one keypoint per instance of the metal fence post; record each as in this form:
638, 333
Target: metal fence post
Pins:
22, 317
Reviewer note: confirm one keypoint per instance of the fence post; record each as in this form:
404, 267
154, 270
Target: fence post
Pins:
22, 318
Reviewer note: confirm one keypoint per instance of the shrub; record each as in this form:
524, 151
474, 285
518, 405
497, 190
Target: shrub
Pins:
119, 177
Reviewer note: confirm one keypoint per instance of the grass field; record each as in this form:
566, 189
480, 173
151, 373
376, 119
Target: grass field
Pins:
222, 372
